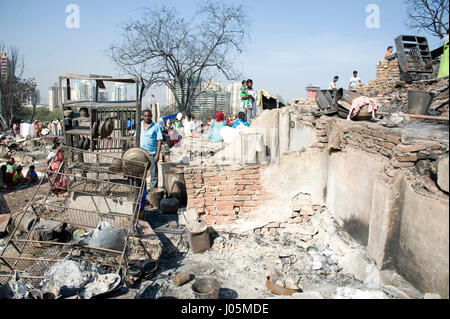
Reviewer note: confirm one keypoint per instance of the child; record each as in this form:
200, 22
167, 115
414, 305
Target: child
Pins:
32, 176
18, 176
245, 101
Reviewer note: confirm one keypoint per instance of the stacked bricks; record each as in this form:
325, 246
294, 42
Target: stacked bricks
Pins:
225, 193
375, 139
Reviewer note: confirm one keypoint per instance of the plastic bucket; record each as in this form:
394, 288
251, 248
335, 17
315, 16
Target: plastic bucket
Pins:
419, 102
206, 288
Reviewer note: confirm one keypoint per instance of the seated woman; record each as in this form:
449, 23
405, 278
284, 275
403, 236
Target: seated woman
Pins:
216, 126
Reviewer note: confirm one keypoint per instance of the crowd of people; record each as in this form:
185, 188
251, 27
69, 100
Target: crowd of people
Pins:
40, 128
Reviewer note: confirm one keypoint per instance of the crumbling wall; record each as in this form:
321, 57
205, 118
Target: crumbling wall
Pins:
393, 92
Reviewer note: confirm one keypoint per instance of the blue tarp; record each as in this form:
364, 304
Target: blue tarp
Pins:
170, 117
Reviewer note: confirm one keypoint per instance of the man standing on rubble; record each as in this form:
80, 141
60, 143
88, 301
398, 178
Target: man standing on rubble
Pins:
151, 138
252, 94
354, 80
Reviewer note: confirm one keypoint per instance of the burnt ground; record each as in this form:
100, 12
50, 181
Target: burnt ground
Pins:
19, 197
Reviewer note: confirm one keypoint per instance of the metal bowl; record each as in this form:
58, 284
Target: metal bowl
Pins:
206, 288
132, 157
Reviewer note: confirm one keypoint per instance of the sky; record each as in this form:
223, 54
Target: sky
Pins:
292, 43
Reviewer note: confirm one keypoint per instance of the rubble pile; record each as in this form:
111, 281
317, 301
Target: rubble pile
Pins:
393, 93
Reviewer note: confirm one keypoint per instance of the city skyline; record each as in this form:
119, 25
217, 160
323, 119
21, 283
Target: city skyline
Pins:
303, 46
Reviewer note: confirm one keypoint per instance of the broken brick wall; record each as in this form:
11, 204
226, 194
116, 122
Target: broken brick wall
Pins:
224, 194
393, 92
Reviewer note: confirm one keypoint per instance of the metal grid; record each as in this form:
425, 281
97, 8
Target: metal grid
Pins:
33, 258
126, 181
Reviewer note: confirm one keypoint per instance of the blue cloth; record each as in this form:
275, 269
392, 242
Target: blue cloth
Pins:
144, 198
131, 125
150, 138
214, 136
34, 175
239, 122
170, 117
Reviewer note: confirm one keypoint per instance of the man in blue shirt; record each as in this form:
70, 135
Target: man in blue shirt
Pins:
151, 138
241, 120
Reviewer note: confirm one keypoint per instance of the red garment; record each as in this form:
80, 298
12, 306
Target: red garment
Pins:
220, 117
59, 182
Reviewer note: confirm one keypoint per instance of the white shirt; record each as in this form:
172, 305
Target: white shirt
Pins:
188, 128
254, 94
354, 81
332, 86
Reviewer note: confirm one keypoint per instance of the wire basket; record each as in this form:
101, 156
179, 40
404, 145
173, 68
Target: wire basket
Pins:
32, 259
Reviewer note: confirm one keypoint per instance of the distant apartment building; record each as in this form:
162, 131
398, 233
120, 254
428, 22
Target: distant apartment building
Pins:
53, 97
213, 97
102, 95
171, 100
4, 65
119, 92
235, 97
86, 90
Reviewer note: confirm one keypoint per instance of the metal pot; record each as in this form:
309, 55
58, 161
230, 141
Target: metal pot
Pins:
84, 112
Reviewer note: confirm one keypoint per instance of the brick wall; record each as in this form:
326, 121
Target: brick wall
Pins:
225, 193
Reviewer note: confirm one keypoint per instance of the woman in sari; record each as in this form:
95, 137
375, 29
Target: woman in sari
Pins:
216, 126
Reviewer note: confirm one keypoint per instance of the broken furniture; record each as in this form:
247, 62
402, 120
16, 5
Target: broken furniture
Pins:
414, 58
100, 125
95, 193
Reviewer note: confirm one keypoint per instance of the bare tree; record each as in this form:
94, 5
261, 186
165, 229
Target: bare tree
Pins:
429, 15
14, 89
165, 49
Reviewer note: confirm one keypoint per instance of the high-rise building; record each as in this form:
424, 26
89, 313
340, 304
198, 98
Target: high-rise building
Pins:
53, 97
102, 95
119, 92
235, 97
4, 65
170, 97
86, 90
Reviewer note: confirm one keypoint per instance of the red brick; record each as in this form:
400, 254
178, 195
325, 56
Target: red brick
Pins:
253, 187
224, 205
225, 198
240, 187
246, 182
252, 166
243, 198
239, 204
226, 212
248, 172
246, 192
228, 193
218, 179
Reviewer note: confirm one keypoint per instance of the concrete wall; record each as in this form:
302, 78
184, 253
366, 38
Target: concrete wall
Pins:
350, 186
423, 246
